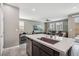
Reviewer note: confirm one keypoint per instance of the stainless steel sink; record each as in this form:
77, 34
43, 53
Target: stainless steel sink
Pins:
48, 40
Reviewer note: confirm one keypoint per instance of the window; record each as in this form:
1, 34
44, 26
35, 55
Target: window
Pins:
21, 25
59, 26
52, 27
76, 19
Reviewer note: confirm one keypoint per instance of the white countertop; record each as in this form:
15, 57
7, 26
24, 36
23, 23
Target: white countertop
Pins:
62, 46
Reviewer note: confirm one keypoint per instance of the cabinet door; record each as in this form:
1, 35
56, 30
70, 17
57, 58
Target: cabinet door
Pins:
42, 53
46, 49
41, 50
35, 51
29, 47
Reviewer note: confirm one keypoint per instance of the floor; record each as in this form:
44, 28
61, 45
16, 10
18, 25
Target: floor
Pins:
15, 51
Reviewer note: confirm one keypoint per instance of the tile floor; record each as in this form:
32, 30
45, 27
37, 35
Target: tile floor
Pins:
15, 51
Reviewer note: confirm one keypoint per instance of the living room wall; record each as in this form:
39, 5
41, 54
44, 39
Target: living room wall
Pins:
28, 25
65, 25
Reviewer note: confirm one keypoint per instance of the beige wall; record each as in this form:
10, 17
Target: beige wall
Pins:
77, 28
71, 26
11, 26
46, 27
28, 27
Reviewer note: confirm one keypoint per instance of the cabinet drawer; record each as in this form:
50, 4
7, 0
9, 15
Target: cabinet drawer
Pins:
46, 49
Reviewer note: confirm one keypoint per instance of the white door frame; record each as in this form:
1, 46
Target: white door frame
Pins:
1, 30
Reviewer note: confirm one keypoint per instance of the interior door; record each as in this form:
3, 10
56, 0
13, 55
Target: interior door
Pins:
11, 25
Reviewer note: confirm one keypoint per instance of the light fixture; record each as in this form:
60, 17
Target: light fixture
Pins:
47, 19
74, 7
33, 9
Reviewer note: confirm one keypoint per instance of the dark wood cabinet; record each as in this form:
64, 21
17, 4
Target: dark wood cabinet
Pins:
41, 50
29, 47
42, 53
35, 51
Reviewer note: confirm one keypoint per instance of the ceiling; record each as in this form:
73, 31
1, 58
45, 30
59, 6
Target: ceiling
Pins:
44, 11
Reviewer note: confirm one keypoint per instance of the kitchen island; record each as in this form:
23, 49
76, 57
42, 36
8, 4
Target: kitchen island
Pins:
37, 47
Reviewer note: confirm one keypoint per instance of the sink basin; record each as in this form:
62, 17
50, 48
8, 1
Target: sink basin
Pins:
48, 40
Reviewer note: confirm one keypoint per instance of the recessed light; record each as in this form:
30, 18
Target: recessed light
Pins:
33, 9
74, 7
